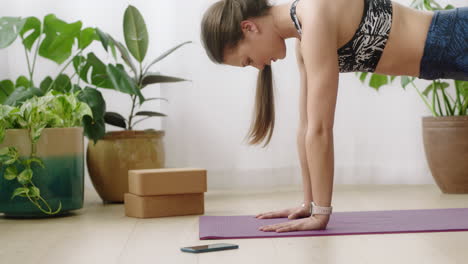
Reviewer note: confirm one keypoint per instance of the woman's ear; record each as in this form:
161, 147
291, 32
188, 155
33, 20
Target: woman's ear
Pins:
248, 26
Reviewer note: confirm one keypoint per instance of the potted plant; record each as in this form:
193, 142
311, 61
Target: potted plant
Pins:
109, 160
41, 129
445, 132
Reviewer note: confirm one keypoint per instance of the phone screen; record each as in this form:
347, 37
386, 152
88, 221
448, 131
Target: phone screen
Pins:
208, 248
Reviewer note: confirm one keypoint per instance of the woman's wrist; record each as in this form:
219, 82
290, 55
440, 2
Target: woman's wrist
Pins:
323, 219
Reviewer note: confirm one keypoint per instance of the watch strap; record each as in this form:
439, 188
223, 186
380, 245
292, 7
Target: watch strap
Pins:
315, 209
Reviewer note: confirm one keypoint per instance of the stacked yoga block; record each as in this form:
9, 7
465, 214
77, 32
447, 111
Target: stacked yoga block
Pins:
165, 192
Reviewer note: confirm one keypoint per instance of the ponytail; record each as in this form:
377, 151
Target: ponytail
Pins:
264, 111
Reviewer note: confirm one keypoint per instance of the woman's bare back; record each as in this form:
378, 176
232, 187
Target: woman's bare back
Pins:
405, 45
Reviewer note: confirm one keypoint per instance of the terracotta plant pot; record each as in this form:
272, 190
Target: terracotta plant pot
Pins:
446, 148
62, 179
117, 152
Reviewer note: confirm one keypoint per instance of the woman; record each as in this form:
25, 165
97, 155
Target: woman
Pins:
378, 36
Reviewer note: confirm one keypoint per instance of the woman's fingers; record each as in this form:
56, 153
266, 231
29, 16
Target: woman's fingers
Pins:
272, 214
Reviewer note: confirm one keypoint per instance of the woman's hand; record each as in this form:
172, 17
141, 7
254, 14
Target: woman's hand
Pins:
292, 213
316, 222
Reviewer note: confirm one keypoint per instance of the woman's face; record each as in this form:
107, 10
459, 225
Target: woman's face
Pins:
261, 46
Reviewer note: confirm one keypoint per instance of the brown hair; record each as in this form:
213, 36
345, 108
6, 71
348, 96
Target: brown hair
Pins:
220, 29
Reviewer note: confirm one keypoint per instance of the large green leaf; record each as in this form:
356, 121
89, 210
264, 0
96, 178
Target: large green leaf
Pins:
125, 55
149, 113
10, 27
95, 101
21, 94
45, 84
115, 119
151, 78
98, 75
135, 33
165, 54
6, 88
87, 36
62, 83
22, 81
32, 24
103, 38
59, 40
122, 82
94, 127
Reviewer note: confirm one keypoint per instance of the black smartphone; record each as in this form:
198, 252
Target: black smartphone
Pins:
208, 248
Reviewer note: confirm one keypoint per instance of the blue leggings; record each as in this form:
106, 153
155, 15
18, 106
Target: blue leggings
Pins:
446, 48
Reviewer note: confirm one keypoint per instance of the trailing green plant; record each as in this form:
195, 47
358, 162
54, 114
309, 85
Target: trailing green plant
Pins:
443, 104
51, 110
56, 102
132, 76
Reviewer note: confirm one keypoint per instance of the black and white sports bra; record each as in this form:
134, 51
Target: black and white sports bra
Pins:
363, 51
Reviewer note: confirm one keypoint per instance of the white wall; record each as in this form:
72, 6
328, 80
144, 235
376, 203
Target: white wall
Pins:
377, 134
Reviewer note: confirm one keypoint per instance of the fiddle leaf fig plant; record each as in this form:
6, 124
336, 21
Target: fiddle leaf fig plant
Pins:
436, 91
131, 76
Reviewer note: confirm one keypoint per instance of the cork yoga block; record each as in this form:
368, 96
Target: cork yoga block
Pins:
166, 181
165, 192
163, 205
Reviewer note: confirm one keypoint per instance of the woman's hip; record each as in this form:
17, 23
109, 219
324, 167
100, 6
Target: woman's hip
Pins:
446, 48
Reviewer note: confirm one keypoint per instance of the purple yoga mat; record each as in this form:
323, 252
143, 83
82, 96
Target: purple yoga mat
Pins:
341, 223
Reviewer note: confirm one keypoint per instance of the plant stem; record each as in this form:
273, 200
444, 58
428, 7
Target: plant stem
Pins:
38, 205
139, 78
35, 55
63, 69
29, 66
458, 103
131, 113
448, 105
424, 99
438, 100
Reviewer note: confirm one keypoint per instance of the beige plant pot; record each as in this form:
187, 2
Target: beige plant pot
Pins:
117, 152
446, 147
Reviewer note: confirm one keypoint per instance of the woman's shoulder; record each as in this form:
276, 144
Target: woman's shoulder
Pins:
319, 13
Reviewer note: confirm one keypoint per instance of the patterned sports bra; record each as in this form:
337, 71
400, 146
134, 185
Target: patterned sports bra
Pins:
363, 51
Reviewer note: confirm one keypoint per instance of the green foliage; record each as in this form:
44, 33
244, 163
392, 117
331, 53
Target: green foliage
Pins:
51, 110
442, 104
136, 35
56, 40
58, 102
9, 30
133, 53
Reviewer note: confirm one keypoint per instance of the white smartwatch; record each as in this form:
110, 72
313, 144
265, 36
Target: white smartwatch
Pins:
315, 209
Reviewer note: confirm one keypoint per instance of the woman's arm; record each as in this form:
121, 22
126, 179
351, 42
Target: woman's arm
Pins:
319, 50
302, 128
